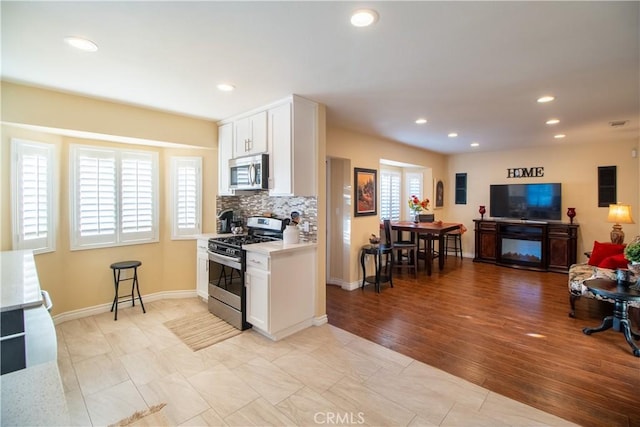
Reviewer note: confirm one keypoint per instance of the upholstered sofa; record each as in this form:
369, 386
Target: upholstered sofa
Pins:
604, 259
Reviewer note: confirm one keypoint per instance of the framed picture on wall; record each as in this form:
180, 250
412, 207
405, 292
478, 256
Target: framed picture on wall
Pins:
365, 181
439, 194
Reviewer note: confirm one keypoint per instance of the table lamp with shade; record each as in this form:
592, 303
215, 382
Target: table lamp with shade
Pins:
619, 214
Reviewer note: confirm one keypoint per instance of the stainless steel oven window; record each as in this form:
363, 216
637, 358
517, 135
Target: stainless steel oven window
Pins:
225, 277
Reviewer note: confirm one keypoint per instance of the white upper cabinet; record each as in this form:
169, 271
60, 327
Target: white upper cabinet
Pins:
288, 130
250, 135
225, 153
293, 145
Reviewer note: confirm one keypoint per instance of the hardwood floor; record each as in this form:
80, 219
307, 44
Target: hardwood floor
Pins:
506, 330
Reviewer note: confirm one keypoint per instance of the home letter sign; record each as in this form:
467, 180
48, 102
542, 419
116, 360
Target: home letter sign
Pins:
535, 172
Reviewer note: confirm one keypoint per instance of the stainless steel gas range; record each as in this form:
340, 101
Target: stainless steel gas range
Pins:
227, 293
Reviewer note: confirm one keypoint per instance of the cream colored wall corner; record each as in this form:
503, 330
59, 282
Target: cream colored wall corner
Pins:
81, 279
365, 151
321, 280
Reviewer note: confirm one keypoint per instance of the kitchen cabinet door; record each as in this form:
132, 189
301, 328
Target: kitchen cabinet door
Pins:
250, 135
293, 145
225, 153
202, 270
258, 298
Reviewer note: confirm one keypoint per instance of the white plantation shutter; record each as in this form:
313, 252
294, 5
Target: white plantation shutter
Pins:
390, 195
96, 195
186, 178
414, 187
136, 196
113, 197
33, 195
414, 184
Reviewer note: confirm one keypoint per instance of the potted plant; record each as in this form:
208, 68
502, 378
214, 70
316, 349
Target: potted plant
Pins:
632, 254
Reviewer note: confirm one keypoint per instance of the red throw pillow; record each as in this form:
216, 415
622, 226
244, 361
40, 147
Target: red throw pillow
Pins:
603, 250
614, 262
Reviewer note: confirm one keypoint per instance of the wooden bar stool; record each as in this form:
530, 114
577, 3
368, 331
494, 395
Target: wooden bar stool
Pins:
117, 268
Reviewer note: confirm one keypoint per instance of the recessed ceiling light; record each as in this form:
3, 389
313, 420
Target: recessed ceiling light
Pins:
546, 98
225, 87
452, 135
553, 121
475, 144
559, 136
82, 44
364, 17
421, 121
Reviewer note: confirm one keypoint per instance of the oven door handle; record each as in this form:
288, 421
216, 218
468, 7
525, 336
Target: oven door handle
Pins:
221, 259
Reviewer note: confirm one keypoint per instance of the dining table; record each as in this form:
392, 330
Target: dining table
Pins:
437, 228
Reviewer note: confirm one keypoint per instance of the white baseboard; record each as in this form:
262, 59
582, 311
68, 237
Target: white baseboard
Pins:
320, 320
102, 308
344, 285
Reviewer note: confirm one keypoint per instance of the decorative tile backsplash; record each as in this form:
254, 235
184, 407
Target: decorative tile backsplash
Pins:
259, 203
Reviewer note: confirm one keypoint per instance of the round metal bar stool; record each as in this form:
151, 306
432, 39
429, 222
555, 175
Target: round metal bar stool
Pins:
117, 268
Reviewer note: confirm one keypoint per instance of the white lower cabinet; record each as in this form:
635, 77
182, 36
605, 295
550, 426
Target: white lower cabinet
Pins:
281, 291
257, 283
202, 269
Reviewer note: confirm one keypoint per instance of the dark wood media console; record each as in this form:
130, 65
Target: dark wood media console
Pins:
533, 245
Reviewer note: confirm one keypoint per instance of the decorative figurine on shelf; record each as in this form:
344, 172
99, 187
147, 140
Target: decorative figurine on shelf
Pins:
571, 212
482, 211
416, 205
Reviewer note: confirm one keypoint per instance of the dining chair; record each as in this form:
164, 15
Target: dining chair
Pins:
406, 251
453, 242
423, 240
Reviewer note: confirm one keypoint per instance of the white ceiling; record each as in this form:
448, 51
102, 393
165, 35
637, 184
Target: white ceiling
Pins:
476, 68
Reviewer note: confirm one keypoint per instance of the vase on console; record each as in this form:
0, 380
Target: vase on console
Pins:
571, 213
482, 211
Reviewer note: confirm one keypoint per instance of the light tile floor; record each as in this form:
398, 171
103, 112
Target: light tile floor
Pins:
319, 376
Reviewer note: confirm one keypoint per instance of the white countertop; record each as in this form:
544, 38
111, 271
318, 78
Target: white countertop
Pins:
34, 397
19, 279
279, 247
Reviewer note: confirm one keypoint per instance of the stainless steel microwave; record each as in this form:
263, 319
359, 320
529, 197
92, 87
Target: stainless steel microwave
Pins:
249, 173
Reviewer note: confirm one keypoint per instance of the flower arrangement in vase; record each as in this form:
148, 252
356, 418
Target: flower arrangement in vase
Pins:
416, 206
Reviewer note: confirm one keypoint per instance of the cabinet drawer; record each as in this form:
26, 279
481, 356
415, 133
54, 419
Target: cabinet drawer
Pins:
488, 226
203, 246
257, 261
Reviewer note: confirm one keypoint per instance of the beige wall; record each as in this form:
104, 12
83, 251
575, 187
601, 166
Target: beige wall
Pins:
576, 167
82, 279
573, 166
364, 151
39, 107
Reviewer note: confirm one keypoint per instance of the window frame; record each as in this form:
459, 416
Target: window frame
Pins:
118, 237
178, 162
19, 148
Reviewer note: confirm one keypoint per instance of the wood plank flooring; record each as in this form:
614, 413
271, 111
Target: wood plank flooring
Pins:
506, 330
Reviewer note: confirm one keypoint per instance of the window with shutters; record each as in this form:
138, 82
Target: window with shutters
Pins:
33, 195
413, 186
186, 179
390, 189
114, 197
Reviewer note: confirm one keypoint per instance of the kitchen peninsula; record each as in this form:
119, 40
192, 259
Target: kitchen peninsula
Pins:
280, 281
32, 392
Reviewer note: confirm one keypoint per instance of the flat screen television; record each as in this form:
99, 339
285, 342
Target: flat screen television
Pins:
541, 202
